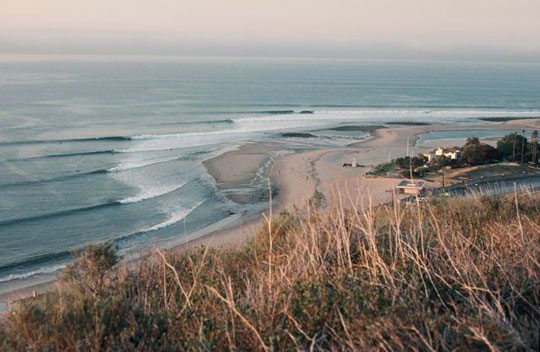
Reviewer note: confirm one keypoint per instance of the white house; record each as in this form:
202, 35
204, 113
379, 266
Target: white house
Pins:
430, 156
450, 153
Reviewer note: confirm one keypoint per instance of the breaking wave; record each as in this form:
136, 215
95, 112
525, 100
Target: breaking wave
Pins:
143, 163
58, 213
71, 140
54, 179
171, 220
65, 256
149, 194
63, 155
43, 270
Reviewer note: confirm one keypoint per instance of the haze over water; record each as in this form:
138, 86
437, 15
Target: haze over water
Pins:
91, 151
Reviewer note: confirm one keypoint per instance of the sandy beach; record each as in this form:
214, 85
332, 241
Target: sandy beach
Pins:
297, 176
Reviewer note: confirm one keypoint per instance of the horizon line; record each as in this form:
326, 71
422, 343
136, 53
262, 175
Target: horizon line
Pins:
24, 56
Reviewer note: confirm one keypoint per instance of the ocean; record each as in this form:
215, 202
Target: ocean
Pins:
96, 150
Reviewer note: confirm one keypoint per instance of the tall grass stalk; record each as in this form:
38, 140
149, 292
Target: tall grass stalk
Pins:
449, 274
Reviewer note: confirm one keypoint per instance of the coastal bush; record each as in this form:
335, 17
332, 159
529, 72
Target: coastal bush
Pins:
408, 162
90, 270
317, 200
449, 274
383, 169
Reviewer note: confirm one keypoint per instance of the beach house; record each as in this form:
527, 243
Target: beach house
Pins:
429, 156
453, 153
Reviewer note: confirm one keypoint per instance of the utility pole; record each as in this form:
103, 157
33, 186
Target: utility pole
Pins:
443, 177
534, 142
514, 148
522, 146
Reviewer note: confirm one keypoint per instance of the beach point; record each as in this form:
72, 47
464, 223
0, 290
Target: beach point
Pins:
269, 175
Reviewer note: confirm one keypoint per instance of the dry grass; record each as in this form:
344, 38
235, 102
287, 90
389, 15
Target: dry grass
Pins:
453, 274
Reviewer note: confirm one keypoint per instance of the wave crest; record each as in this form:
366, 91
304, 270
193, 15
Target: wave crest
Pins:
173, 219
43, 270
151, 194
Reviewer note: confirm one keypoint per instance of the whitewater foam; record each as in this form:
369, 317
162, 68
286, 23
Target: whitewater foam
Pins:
43, 270
253, 125
173, 219
388, 115
151, 193
141, 163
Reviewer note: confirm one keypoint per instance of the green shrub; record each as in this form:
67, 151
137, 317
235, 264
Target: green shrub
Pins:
383, 169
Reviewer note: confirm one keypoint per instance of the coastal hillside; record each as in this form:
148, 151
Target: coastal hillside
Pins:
446, 274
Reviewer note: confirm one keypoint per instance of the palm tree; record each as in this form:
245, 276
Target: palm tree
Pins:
522, 146
514, 147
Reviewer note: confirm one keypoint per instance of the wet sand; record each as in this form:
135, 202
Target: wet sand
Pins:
235, 170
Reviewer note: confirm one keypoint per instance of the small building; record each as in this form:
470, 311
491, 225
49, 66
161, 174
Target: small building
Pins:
430, 156
450, 153
411, 187
353, 164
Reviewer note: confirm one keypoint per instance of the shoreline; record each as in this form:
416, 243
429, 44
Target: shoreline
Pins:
296, 176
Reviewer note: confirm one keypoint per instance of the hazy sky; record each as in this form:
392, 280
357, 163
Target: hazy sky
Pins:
272, 27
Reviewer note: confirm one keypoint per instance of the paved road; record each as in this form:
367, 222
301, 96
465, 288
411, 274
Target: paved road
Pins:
493, 185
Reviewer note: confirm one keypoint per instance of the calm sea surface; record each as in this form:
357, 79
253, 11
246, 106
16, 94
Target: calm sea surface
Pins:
91, 151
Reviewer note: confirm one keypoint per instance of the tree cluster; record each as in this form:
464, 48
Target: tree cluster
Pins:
516, 148
408, 161
476, 153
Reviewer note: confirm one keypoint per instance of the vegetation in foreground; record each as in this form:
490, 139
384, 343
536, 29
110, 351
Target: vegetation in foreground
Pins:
453, 274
